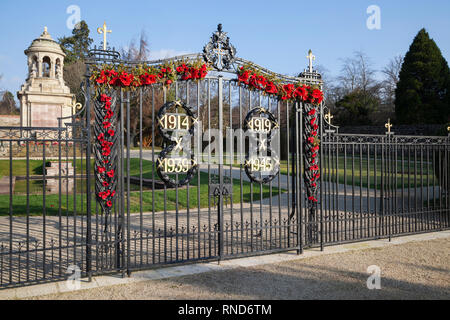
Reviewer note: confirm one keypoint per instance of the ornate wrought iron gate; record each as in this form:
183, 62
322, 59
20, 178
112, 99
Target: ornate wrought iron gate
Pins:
220, 206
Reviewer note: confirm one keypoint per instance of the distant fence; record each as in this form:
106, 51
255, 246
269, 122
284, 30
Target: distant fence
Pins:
411, 130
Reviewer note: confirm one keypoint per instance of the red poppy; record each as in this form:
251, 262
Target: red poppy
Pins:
105, 184
243, 77
108, 105
169, 82
301, 93
147, 79
111, 132
101, 170
105, 98
101, 78
271, 88
109, 115
106, 124
101, 137
109, 204
111, 174
195, 73
115, 81
253, 81
106, 144
317, 96
106, 152
110, 73
288, 90
103, 195
261, 80
126, 79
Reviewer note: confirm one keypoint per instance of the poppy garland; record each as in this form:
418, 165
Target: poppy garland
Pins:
273, 86
109, 76
312, 147
105, 141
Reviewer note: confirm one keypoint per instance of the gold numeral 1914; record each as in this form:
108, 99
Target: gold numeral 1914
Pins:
175, 122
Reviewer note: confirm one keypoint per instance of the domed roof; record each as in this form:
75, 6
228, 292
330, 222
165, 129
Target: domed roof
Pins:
45, 43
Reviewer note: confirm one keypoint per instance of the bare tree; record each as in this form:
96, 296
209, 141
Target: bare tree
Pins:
74, 75
355, 94
137, 53
358, 73
391, 76
140, 53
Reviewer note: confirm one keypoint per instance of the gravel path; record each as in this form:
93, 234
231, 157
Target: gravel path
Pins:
415, 270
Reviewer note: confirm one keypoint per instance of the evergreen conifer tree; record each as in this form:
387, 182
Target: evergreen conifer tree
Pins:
423, 90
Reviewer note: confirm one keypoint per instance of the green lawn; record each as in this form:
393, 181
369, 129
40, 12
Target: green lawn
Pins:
407, 174
404, 177
36, 201
19, 167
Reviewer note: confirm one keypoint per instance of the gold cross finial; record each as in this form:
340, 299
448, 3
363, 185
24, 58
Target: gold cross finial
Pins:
388, 125
448, 129
104, 30
328, 117
311, 58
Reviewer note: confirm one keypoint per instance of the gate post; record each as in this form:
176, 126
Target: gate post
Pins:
88, 177
220, 208
321, 135
299, 165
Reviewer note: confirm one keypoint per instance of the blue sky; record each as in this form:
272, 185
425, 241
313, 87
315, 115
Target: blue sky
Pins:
274, 34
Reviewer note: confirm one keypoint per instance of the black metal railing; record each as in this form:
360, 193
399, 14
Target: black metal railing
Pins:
42, 203
381, 186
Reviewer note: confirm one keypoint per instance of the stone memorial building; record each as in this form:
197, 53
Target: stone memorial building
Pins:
44, 97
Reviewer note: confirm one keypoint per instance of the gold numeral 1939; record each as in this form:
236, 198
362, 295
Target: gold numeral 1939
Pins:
175, 165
